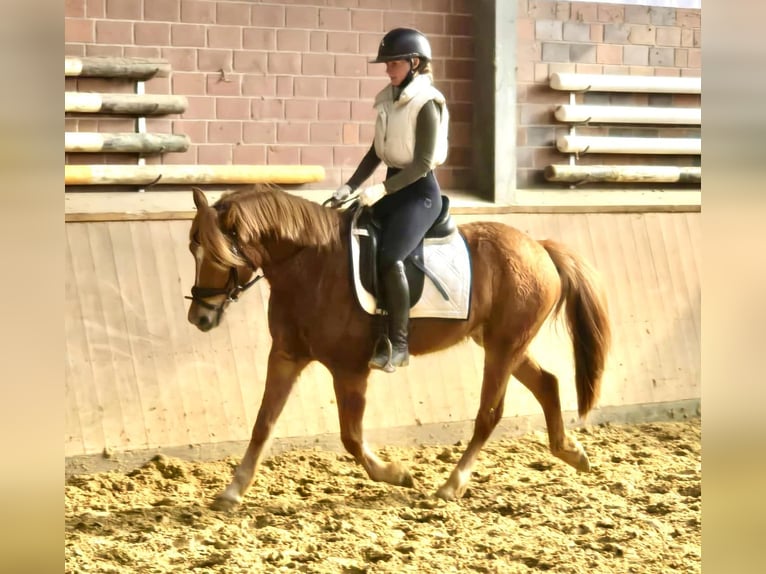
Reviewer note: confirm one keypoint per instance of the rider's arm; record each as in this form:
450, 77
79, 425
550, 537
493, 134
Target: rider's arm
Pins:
366, 167
426, 130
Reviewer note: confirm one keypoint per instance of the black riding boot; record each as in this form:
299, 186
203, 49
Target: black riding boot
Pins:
396, 354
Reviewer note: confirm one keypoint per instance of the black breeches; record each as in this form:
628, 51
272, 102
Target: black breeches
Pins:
405, 217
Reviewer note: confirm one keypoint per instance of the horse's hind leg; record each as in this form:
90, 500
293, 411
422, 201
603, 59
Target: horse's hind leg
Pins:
499, 361
545, 387
282, 373
350, 389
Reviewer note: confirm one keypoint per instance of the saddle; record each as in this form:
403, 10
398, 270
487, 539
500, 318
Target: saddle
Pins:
368, 229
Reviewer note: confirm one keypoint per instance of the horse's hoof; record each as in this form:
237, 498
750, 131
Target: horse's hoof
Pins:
445, 493
583, 465
224, 504
407, 480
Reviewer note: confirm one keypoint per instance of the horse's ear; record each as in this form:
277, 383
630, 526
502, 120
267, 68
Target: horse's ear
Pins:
199, 198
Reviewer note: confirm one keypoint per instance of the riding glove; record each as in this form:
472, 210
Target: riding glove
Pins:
372, 194
341, 193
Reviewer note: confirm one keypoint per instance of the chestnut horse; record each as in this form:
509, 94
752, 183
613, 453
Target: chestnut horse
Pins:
302, 249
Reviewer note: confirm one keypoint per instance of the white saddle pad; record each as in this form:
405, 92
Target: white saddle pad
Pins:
448, 260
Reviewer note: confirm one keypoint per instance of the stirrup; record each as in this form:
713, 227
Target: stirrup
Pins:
383, 361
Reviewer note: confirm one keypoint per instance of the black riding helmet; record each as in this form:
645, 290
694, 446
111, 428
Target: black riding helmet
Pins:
403, 44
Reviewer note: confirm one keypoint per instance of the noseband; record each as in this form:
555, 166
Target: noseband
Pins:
232, 290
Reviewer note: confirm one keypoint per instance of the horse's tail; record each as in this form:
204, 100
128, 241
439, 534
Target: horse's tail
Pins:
587, 321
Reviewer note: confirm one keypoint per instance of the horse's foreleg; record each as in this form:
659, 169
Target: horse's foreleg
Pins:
497, 370
545, 387
350, 389
282, 373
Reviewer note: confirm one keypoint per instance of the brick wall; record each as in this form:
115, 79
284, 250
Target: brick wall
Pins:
277, 82
597, 38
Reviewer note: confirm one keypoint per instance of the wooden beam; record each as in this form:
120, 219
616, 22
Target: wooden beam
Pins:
191, 174
617, 83
146, 143
108, 67
127, 104
629, 145
622, 173
628, 115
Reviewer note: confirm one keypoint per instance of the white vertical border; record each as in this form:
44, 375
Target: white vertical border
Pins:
505, 102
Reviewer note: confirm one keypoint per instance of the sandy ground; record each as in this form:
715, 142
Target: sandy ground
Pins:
316, 511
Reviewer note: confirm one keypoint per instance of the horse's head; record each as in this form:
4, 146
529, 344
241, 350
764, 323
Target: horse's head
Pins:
223, 272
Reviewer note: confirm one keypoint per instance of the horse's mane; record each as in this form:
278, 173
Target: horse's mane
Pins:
265, 212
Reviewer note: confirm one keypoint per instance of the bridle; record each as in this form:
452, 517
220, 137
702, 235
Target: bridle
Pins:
233, 288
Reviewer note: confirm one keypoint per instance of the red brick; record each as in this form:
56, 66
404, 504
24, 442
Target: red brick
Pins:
152, 34
96, 50
181, 59
296, 109
77, 50
609, 54
668, 36
688, 18
142, 51
123, 9
214, 154
268, 16
267, 109
433, 24
196, 130
284, 63
260, 132
292, 40
157, 85
342, 88
259, 39
259, 85
187, 35
293, 132
375, 4
317, 41
597, 33
114, 32
362, 111
214, 60
310, 87
367, 21
350, 65
301, 17
234, 13
159, 125
95, 8
327, 132
672, 72
334, 19
224, 37
74, 8
285, 86
188, 157
224, 84
197, 11
199, 108
334, 110
369, 88
165, 11
224, 131
611, 13
283, 155
681, 59
316, 155
344, 42
318, 65
249, 155
395, 19
349, 156
78, 30
695, 58
232, 108
368, 44
586, 13
351, 134
250, 62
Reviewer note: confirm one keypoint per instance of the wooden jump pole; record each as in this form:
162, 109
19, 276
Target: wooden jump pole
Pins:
127, 104
629, 145
191, 174
109, 67
622, 173
628, 115
624, 83
128, 142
